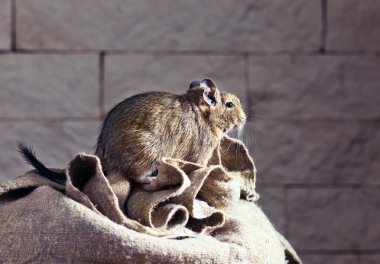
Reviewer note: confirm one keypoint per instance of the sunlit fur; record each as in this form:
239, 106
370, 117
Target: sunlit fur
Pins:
228, 118
142, 129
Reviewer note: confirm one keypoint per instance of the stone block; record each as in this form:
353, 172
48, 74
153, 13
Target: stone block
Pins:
5, 24
369, 259
272, 202
315, 152
339, 219
341, 259
304, 87
55, 143
353, 25
127, 75
49, 86
216, 25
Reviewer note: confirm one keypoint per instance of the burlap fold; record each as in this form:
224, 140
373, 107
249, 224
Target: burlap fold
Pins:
187, 214
174, 202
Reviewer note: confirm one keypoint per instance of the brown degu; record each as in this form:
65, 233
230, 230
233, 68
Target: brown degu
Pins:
144, 128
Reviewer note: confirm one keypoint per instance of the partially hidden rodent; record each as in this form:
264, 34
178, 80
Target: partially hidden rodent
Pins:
144, 128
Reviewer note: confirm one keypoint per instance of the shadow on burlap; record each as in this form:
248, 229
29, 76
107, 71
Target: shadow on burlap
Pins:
187, 214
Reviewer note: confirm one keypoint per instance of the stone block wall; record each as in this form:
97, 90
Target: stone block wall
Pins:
308, 73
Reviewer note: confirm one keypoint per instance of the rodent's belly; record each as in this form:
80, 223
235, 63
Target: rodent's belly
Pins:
193, 151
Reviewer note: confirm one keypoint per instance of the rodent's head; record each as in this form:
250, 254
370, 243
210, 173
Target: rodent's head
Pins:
224, 109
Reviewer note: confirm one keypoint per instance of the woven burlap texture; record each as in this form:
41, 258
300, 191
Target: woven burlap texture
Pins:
187, 214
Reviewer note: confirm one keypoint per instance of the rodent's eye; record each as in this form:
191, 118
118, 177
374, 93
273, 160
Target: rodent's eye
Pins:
230, 104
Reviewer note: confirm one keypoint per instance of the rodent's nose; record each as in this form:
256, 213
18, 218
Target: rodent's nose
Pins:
243, 118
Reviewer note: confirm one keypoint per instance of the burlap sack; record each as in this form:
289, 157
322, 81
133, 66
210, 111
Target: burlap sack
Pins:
188, 214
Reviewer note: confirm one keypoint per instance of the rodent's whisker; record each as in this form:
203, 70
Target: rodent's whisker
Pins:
252, 130
229, 145
257, 118
240, 132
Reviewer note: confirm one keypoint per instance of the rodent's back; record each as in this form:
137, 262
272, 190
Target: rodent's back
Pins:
144, 128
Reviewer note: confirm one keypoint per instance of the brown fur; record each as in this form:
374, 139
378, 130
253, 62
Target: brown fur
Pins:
142, 129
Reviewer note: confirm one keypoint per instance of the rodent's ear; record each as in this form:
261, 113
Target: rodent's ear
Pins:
209, 91
209, 84
195, 84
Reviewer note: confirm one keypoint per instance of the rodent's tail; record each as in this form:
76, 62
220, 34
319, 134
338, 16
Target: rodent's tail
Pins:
29, 156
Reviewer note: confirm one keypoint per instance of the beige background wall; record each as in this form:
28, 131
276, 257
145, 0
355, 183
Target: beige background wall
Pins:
307, 71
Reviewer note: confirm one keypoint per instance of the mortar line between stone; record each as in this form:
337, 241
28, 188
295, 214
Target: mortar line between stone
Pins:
48, 119
374, 53
324, 26
374, 121
286, 211
332, 185
327, 120
13, 26
338, 252
101, 83
247, 86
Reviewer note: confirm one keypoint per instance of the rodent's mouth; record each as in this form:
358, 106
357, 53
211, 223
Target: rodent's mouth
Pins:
241, 122
232, 127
